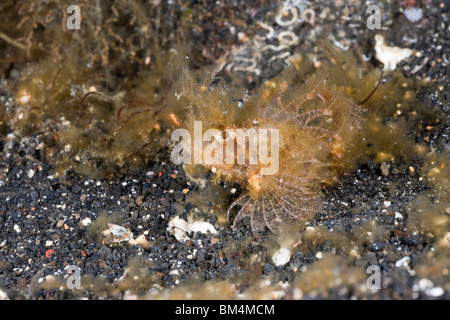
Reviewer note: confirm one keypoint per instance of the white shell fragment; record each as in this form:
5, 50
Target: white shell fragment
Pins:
117, 233
389, 56
181, 228
85, 222
281, 257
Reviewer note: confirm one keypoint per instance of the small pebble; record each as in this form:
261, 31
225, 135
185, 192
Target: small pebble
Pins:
31, 173
384, 169
377, 246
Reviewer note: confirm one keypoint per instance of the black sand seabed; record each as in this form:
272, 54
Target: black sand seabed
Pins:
39, 213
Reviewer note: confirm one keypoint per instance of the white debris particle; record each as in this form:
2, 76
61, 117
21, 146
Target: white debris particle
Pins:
389, 56
3, 295
387, 203
403, 262
142, 240
24, 98
281, 257
398, 216
297, 294
118, 233
129, 296
319, 255
425, 284
17, 228
174, 272
18, 270
180, 228
413, 14
435, 292
48, 243
85, 222
31, 173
